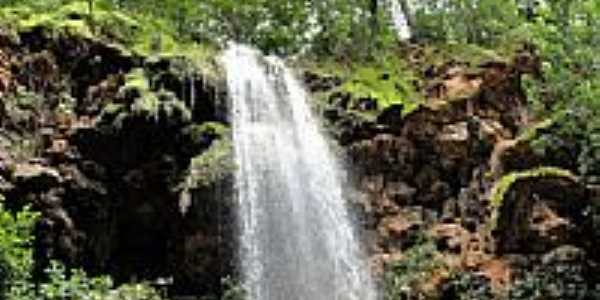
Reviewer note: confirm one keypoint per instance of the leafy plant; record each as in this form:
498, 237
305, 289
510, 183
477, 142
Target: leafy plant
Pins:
468, 286
402, 277
16, 255
16, 266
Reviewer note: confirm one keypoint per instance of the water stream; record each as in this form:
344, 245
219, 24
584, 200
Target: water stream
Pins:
297, 240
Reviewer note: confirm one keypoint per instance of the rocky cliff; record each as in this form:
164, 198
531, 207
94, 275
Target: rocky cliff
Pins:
124, 155
460, 173
127, 158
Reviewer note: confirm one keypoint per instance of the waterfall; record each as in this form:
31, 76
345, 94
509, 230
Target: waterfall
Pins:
399, 20
192, 92
297, 241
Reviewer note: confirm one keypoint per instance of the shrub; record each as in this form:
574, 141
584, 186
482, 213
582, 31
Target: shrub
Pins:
403, 277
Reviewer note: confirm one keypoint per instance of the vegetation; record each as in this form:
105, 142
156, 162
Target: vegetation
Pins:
212, 165
16, 255
418, 264
350, 39
556, 281
137, 99
504, 184
468, 286
16, 267
393, 87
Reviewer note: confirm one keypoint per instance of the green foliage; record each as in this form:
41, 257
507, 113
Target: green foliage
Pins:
136, 31
210, 130
351, 29
387, 80
233, 290
138, 99
553, 282
342, 28
465, 21
567, 36
388, 85
77, 285
339, 27
417, 265
16, 256
16, 266
213, 164
468, 286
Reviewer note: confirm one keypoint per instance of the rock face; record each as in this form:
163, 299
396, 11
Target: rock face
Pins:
107, 159
107, 172
432, 172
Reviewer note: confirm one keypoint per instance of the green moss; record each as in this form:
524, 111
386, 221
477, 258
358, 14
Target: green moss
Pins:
505, 183
474, 55
147, 103
213, 128
112, 109
212, 165
23, 99
199, 133
197, 60
136, 79
531, 133
137, 34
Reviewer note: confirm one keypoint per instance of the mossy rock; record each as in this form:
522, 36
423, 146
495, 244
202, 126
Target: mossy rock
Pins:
137, 99
199, 132
504, 184
134, 34
212, 165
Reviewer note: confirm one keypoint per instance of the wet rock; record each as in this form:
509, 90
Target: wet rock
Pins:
539, 214
319, 82
391, 116
454, 133
564, 254
450, 237
36, 177
400, 231
400, 192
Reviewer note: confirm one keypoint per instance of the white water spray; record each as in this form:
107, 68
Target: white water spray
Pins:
399, 20
296, 237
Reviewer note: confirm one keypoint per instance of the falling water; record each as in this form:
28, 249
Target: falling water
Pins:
296, 237
399, 20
